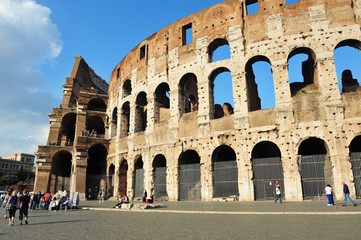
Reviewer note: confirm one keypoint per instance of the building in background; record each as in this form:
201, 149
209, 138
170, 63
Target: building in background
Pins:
11, 164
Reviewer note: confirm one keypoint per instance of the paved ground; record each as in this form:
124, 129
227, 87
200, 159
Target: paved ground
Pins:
214, 223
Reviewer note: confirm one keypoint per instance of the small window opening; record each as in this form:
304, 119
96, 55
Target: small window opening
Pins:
252, 6
289, 2
143, 51
118, 73
187, 33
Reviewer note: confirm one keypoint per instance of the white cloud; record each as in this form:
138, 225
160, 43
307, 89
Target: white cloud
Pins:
28, 38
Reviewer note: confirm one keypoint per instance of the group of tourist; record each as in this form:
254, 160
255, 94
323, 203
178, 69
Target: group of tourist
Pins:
12, 201
328, 191
92, 133
121, 200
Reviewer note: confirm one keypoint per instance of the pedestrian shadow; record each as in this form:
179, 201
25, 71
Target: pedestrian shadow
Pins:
56, 222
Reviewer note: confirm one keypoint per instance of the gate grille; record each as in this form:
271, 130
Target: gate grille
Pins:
190, 182
139, 183
160, 182
313, 176
355, 159
225, 179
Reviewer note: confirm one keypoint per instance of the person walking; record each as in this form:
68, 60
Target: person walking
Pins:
346, 193
328, 191
278, 193
101, 196
24, 207
12, 207
6, 199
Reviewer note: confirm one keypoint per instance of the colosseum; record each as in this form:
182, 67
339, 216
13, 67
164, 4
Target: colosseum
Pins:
157, 126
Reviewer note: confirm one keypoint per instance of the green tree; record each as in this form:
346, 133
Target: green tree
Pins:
25, 175
8, 180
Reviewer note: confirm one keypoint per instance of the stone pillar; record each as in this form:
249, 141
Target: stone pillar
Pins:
281, 85
132, 118
245, 174
130, 180
240, 100
42, 176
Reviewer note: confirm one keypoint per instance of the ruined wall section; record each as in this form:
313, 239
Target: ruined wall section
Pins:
274, 33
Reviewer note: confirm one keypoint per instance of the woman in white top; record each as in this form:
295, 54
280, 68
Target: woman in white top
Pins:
328, 191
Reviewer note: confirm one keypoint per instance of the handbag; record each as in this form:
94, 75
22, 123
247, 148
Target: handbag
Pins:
8, 206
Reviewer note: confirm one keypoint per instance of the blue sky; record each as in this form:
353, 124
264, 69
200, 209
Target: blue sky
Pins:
39, 39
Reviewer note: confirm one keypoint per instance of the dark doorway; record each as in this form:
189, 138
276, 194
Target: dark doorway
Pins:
189, 176
138, 178
60, 172
315, 168
267, 169
160, 177
225, 172
355, 159
111, 180
123, 170
96, 170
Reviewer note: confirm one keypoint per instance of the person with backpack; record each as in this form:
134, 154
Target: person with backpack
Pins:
24, 207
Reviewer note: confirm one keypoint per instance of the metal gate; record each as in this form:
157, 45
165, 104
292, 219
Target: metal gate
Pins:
139, 182
122, 181
225, 179
355, 160
160, 182
313, 175
190, 182
266, 171
93, 185
59, 183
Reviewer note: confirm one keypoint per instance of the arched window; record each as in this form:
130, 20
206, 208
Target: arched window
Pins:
188, 93
97, 104
114, 122
67, 130
348, 65
260, 85
141, 112
301, 70
127, 88
219, 50
124, 121
60, 171
96, 170
221, 93
95, 124
162, 103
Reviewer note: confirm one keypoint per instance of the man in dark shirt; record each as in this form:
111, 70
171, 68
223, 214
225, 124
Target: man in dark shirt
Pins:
346, 193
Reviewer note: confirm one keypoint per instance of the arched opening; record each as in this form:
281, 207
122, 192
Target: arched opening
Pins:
160, 177
96, 170
316, 169
95, 125
67, 130
221, 93
127, 88
124, 121
111, 180
123, 175
189, 176
260, 85
267, 169
97, 104
114, 122
141, 112
219, 50
225, 172
138, 178
162, 112
355, 159
347, 62
301, 71
188, 93
60, 172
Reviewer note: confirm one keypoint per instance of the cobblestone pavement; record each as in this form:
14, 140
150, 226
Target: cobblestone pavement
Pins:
119, 224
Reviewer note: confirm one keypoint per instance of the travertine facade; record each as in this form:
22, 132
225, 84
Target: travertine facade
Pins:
161, 104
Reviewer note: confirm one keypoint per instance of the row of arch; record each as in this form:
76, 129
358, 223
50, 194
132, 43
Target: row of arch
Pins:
189, 95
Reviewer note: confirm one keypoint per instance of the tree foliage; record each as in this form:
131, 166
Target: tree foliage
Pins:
8, 180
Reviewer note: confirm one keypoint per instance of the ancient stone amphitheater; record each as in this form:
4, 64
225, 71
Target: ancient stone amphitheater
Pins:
158, 127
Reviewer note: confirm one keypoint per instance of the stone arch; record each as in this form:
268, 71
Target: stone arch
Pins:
67, 130
308, 70
267, 169
225, 172
114, 122
60, 171
188, 93
162, 106
123, 178
96, 170
97, 104
189, 176
355, 160
348, 68
219, 49
127, 88
255, 87
315, 167
125, 119
138, 177
141, 112
160, 177
219, 109
96, 124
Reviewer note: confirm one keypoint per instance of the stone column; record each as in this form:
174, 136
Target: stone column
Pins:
240, 100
